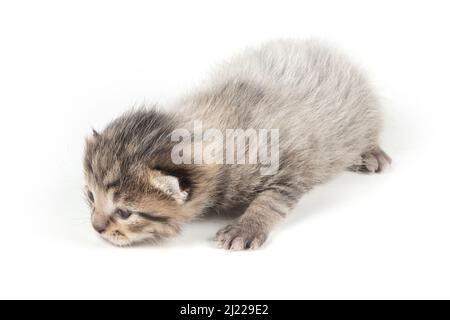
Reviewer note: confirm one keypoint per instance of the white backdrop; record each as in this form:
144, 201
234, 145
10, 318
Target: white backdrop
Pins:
67, 66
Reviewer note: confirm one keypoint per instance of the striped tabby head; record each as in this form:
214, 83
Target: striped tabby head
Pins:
132, 194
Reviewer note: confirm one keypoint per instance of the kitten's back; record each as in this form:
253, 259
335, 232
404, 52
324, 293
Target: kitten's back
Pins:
326, 111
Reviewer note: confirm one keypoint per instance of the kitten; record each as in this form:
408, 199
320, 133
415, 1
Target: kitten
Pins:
328, 120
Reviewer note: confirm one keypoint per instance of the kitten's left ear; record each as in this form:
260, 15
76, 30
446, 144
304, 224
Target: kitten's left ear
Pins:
170, 185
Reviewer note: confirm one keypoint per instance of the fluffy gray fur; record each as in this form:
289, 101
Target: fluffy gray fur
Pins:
329, 121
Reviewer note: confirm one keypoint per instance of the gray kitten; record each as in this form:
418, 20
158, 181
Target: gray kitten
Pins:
328, 119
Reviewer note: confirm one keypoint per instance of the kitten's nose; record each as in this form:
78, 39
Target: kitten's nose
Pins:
99, 229
100, 222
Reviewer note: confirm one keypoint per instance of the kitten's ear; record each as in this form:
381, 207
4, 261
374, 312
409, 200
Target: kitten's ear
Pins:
170, 185
92, 137
95, 134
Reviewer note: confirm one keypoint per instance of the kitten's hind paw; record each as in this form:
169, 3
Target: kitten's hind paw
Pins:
375, 161
238, 237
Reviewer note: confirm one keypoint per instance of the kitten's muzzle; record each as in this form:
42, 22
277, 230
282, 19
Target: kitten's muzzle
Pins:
99, 222
99, 229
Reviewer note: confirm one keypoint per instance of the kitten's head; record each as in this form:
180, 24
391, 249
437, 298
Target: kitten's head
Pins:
134, 192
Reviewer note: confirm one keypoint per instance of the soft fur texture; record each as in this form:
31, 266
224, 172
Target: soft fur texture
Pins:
329, 120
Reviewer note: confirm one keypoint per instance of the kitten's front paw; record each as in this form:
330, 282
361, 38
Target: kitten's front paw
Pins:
238, 237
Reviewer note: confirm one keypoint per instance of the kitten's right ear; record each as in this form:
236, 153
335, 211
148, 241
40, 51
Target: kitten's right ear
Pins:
95, 134
92, 137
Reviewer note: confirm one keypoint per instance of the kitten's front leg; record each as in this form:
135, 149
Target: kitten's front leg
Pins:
251, 230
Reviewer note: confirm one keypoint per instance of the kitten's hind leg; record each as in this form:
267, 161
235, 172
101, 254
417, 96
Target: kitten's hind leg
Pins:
374, 161
251, 230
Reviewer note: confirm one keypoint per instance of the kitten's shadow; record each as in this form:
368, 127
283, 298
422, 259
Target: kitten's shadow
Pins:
321, 200
205, 227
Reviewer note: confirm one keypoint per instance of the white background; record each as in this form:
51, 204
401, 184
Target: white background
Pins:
67, 66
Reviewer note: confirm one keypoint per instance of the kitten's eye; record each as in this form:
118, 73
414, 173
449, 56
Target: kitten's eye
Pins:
90, 196
123, 214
